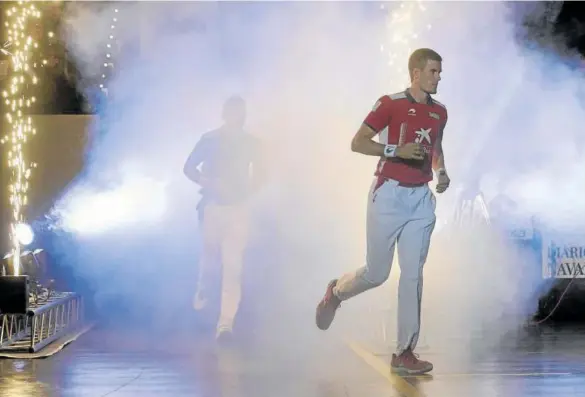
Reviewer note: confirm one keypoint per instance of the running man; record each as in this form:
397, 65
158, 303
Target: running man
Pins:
401, 206
225, 163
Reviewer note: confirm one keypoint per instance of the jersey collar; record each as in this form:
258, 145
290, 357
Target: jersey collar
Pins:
411, 98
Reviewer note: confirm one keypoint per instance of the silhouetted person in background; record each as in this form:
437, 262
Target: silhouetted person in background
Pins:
225, 163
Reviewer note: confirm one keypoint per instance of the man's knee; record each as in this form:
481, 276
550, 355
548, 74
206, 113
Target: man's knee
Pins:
375, 277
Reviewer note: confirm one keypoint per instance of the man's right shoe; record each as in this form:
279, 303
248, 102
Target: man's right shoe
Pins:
408, 363
327, 307
224, 335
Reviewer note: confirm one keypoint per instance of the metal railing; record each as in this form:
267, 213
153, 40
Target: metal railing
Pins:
45, 321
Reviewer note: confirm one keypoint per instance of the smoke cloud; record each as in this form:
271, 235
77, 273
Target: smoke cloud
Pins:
310, 72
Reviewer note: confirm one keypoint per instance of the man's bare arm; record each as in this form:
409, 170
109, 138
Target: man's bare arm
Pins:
363, 142
439, 156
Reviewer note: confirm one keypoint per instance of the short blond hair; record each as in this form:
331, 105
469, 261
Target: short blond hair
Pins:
419, 58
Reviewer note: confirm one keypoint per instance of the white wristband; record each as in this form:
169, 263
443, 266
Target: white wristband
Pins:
390, 151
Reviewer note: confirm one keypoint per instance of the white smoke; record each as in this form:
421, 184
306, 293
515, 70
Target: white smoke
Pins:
310, 73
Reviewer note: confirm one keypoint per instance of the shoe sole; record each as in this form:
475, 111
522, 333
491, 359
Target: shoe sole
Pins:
403, 371
225, 338
323, 321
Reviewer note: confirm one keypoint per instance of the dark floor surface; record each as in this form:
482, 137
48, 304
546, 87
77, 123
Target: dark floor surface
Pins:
533, 362
108, 363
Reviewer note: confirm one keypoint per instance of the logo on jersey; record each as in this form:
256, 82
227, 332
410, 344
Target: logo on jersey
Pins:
412, 112
434, 116
423, 135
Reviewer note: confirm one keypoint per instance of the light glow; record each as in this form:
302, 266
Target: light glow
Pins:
18, 99
137, 202
24, 234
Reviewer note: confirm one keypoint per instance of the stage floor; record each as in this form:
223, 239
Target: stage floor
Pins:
132, 364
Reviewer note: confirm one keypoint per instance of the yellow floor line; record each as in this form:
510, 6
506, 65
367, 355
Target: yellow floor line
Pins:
401, 385
406, 389
485, 374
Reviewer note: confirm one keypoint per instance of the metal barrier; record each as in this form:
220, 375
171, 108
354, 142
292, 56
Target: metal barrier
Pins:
46, 320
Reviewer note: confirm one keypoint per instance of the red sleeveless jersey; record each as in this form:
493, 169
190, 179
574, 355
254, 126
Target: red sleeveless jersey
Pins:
399, 119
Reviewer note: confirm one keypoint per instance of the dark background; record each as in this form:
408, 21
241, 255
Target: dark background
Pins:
571, 23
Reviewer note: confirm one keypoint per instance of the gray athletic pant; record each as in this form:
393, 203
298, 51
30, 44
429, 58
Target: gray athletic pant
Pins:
403, 215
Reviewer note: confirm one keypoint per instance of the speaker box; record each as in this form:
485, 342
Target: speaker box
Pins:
14, 294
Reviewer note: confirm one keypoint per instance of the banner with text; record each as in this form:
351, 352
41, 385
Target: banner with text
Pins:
563, 260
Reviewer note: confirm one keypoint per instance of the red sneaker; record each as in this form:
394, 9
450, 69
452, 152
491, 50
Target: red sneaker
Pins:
327, 307
409, 364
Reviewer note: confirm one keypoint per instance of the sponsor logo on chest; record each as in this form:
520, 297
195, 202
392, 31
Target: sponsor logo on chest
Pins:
423, 135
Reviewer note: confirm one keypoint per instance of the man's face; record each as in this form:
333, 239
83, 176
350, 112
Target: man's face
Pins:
429, 76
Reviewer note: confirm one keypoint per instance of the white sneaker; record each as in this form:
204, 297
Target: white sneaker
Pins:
224, 333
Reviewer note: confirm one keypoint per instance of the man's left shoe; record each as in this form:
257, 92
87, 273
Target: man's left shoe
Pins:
327, 307
224, 335
408, 364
